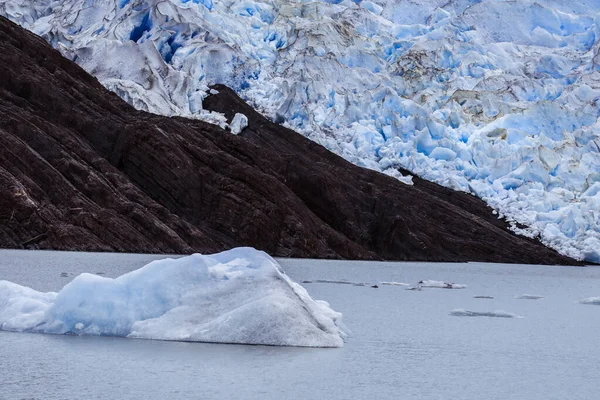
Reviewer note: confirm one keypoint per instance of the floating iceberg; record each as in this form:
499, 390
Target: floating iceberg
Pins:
529, 297
591, 300
237, 296
336, 282
394, 283
461, 312
436, 284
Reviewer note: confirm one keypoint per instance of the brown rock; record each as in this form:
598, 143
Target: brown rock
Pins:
82, 170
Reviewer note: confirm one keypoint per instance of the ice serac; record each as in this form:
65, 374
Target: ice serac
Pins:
80, 169
237, 296
496, 98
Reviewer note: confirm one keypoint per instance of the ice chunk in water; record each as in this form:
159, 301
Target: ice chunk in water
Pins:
427, 283
237, 296
529, 297
591, 300
461, 312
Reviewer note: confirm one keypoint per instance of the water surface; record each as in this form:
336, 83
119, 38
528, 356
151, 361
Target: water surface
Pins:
404, 344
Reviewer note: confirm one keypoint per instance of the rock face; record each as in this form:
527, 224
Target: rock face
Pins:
82, 170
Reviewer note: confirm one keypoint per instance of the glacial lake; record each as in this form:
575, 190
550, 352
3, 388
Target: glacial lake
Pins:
404, 344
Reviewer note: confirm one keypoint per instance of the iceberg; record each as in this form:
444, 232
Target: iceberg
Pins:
461, 312
337, 282
238, 296
394, 283
529, 297
428, 283
595, 301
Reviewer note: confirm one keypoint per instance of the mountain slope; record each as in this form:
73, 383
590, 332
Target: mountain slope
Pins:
80, 169
496, 98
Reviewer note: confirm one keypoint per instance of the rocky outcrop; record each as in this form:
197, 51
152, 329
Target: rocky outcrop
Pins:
82, 170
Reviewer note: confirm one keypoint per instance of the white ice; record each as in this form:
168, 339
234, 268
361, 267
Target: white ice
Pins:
237, 296
529, 297
336, 282
394, 283
591, 300
497, 98
461, 312
428, 283
238, 124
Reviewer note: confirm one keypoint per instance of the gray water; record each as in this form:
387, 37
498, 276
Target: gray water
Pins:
404, 344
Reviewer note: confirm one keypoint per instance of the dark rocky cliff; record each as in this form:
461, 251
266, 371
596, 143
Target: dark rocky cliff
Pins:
82, 170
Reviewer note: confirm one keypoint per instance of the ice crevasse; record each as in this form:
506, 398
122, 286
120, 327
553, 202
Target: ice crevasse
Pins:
497, 98
237, 296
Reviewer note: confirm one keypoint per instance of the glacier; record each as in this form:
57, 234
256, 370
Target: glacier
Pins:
238, 296
497, 98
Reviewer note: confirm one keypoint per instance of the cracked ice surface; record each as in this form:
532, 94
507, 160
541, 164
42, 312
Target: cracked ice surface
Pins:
497, 98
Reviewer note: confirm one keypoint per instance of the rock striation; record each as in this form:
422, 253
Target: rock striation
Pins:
82, 170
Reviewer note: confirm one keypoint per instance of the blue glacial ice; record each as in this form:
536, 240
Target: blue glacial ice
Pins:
497, 98
237, 296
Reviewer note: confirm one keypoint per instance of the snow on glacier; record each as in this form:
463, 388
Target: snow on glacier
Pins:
497, 98
237, 296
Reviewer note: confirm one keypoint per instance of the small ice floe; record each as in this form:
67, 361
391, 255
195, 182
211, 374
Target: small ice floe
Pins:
339, 282
334, 282
529, 297
595, 301
436, 284
394, 283
483, 297
461, 312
